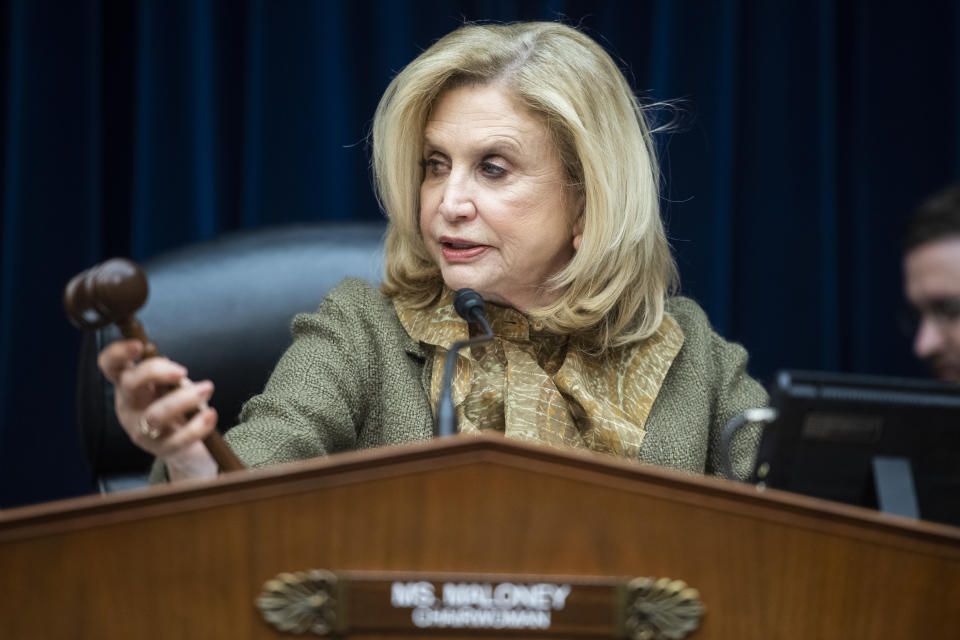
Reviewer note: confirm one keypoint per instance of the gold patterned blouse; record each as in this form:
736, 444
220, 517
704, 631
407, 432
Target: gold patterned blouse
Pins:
529, 385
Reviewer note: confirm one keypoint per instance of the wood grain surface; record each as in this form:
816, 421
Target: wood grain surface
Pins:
188, 561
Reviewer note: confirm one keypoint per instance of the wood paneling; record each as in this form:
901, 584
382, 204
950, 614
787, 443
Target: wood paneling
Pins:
188, 561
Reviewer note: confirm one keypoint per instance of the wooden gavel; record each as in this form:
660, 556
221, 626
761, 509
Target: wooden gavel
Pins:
112, 292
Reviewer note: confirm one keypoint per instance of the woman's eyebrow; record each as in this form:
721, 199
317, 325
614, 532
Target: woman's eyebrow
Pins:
503, 145
430, 145
496, 145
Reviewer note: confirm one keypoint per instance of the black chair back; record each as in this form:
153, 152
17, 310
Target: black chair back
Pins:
223, 310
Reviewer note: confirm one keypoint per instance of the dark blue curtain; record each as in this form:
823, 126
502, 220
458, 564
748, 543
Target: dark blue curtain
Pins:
807, 129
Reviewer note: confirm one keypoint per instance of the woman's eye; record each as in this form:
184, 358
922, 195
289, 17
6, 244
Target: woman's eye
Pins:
492, 170
433, 166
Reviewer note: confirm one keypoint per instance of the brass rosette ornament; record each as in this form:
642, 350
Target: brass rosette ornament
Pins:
660, 609
302, 602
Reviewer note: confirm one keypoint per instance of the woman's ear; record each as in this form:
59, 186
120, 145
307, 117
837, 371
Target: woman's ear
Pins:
578, 232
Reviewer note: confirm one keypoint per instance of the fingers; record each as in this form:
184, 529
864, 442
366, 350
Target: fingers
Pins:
170, 412
163, 429
118, 362
151, 372
118, 356
183, 437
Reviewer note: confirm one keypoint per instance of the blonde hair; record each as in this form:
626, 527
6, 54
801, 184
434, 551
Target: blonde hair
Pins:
614, 288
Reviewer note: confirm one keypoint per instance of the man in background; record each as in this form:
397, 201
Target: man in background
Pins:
931, 268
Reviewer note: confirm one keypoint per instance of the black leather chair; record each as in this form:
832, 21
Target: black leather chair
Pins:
222, 309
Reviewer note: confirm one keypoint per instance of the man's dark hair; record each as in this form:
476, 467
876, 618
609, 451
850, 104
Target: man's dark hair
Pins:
936, 217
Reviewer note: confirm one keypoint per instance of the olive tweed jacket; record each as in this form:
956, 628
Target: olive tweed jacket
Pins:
353, 378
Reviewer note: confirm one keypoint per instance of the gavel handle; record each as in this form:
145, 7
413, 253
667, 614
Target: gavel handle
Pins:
224, 456
130, 328
226, 459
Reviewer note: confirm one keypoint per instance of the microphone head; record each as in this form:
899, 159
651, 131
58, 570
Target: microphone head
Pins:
468, 304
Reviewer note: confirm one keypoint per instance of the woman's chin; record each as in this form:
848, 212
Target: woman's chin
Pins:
458, 276
455, 282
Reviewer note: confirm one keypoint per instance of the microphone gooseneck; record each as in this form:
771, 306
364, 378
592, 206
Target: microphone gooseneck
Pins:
469, 306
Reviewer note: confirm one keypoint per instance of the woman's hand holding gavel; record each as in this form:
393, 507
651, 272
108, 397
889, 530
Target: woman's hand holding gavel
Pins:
169, 424
161, 410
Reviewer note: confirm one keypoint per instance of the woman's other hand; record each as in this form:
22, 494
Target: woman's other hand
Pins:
170, 424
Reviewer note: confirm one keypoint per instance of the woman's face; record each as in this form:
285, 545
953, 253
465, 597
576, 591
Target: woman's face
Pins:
494, 212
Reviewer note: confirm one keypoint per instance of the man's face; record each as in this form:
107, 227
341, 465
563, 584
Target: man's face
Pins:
932, 284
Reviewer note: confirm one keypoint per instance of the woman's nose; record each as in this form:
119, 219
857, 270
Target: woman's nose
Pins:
458, 201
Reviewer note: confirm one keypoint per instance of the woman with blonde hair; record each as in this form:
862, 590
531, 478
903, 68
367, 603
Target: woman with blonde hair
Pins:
515, 160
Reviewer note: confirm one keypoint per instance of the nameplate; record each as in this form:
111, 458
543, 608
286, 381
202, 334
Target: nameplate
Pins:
352, 602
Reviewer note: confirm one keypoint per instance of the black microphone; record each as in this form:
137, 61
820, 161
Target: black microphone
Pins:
469, 306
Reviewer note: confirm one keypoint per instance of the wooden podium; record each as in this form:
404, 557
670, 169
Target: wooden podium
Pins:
477, 513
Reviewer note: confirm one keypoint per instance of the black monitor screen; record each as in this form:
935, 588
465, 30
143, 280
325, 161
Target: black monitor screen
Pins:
867, 441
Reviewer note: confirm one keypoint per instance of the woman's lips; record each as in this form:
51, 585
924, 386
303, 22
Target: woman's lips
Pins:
455, 250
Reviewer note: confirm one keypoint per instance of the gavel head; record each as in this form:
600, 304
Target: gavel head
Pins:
109, 292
